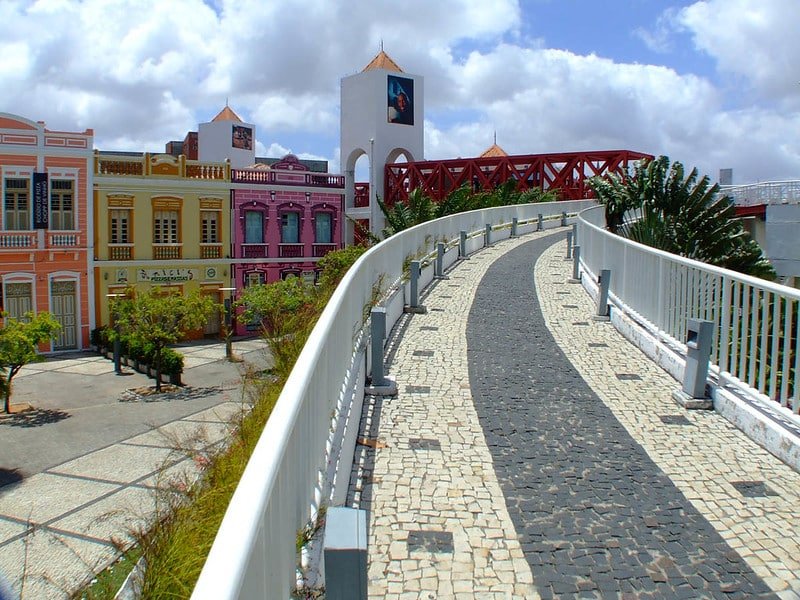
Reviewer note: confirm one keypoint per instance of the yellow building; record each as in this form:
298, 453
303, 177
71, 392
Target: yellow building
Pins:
160, 220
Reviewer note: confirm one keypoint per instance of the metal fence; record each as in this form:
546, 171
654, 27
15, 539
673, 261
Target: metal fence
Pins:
768, 192
292, 469
756, 322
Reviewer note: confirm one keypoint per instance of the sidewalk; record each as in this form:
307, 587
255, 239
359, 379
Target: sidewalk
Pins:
85, 468
529, 444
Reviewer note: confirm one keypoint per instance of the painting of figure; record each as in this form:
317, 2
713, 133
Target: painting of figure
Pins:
400, 100
242, 137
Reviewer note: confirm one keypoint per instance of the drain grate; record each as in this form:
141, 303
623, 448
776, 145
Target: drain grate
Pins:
628, 377
418, 389
753, 489
598, 345
674, 420
422, 353
580, 323
430, 541
569, 305
424, 444
428, 328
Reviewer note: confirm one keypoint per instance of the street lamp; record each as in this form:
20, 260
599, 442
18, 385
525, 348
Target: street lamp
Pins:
117, 348
227, 303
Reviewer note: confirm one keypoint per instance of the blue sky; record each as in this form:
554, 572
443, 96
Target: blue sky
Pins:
712, 83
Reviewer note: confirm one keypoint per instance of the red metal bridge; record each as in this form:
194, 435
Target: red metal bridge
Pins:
565, 171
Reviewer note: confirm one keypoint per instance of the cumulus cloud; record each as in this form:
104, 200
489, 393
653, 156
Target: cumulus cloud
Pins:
756, 41
142, 72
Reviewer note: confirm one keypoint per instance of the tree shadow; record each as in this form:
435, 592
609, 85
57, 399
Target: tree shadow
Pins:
10, 476
184, 393
34, 418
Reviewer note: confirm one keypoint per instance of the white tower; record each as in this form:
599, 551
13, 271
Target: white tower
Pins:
383, 111
227, 136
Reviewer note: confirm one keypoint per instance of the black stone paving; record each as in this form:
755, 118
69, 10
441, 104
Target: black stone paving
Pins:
596, 517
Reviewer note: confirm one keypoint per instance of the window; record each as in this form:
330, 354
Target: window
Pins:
120, 226
18, 299
290, 228
17, 205
209, 225
290, 273
255, 278
253, 227
165, 227
322, 228
62, 206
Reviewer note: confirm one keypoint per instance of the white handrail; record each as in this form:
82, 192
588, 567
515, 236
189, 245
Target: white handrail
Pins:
756, 322
253, 555
766, 192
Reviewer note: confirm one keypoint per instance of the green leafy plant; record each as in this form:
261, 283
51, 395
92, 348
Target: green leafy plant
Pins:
154, 320
19, 341
661, 206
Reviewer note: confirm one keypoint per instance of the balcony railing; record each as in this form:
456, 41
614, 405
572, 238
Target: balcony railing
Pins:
290, 250
261, 176
167, 251
120, 251
160, 165
293, 469
17, 239
63, 240
210, 250
323, 249
254, 251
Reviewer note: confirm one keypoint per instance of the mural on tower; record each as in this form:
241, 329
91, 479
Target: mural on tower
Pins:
400, 98
242, 137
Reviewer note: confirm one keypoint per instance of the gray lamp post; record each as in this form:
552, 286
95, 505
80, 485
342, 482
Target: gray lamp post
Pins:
117, 344
228, 304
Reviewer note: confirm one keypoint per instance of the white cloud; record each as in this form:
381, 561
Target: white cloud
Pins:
758, 42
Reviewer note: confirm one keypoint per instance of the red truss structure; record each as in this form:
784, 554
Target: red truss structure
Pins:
565, 171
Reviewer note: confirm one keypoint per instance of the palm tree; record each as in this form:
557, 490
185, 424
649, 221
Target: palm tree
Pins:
658, 205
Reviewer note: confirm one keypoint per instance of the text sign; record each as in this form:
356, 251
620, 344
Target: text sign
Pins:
166, 275
41, 218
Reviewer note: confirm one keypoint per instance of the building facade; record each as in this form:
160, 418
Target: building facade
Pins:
285, 218
160, 221
46, 179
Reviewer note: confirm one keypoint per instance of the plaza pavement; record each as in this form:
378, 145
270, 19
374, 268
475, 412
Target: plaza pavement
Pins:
533, 452
86, 467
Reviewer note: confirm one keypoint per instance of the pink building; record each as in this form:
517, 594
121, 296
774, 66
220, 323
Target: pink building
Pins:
46, 180
285, 218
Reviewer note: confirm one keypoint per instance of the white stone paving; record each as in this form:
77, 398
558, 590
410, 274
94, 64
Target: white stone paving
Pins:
702, 459
452, 489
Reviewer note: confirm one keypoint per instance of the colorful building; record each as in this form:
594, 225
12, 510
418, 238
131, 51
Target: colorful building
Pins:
285, 218
46, 177
160, 221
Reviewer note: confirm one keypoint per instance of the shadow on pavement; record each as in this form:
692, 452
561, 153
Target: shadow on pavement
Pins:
9, 476
34, 418
186, 393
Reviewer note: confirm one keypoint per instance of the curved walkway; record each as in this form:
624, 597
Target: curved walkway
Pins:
560, 445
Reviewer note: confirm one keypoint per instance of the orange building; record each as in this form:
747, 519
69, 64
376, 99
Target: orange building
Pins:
46, 177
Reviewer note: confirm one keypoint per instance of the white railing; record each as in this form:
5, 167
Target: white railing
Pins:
756, 322
254, 554
768, 192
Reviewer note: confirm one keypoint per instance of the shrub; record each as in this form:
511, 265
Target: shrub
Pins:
171, 362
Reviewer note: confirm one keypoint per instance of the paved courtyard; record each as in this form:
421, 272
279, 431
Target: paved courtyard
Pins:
533, 452
87, 466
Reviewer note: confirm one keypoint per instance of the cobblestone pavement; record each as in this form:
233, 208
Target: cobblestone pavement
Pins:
606, 491
750, 497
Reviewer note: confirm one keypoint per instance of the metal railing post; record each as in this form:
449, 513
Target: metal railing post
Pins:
439, 265
540, 222
604, 282
563, 218
415, 270
488, 241
377, 331
345, 554
569, 244
575, 233
514, 223
576, 260
462, 244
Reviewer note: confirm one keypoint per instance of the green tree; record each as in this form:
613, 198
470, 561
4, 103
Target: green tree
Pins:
160, 319
401, 215
286, 311
662, 207
334, 265
19, 339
